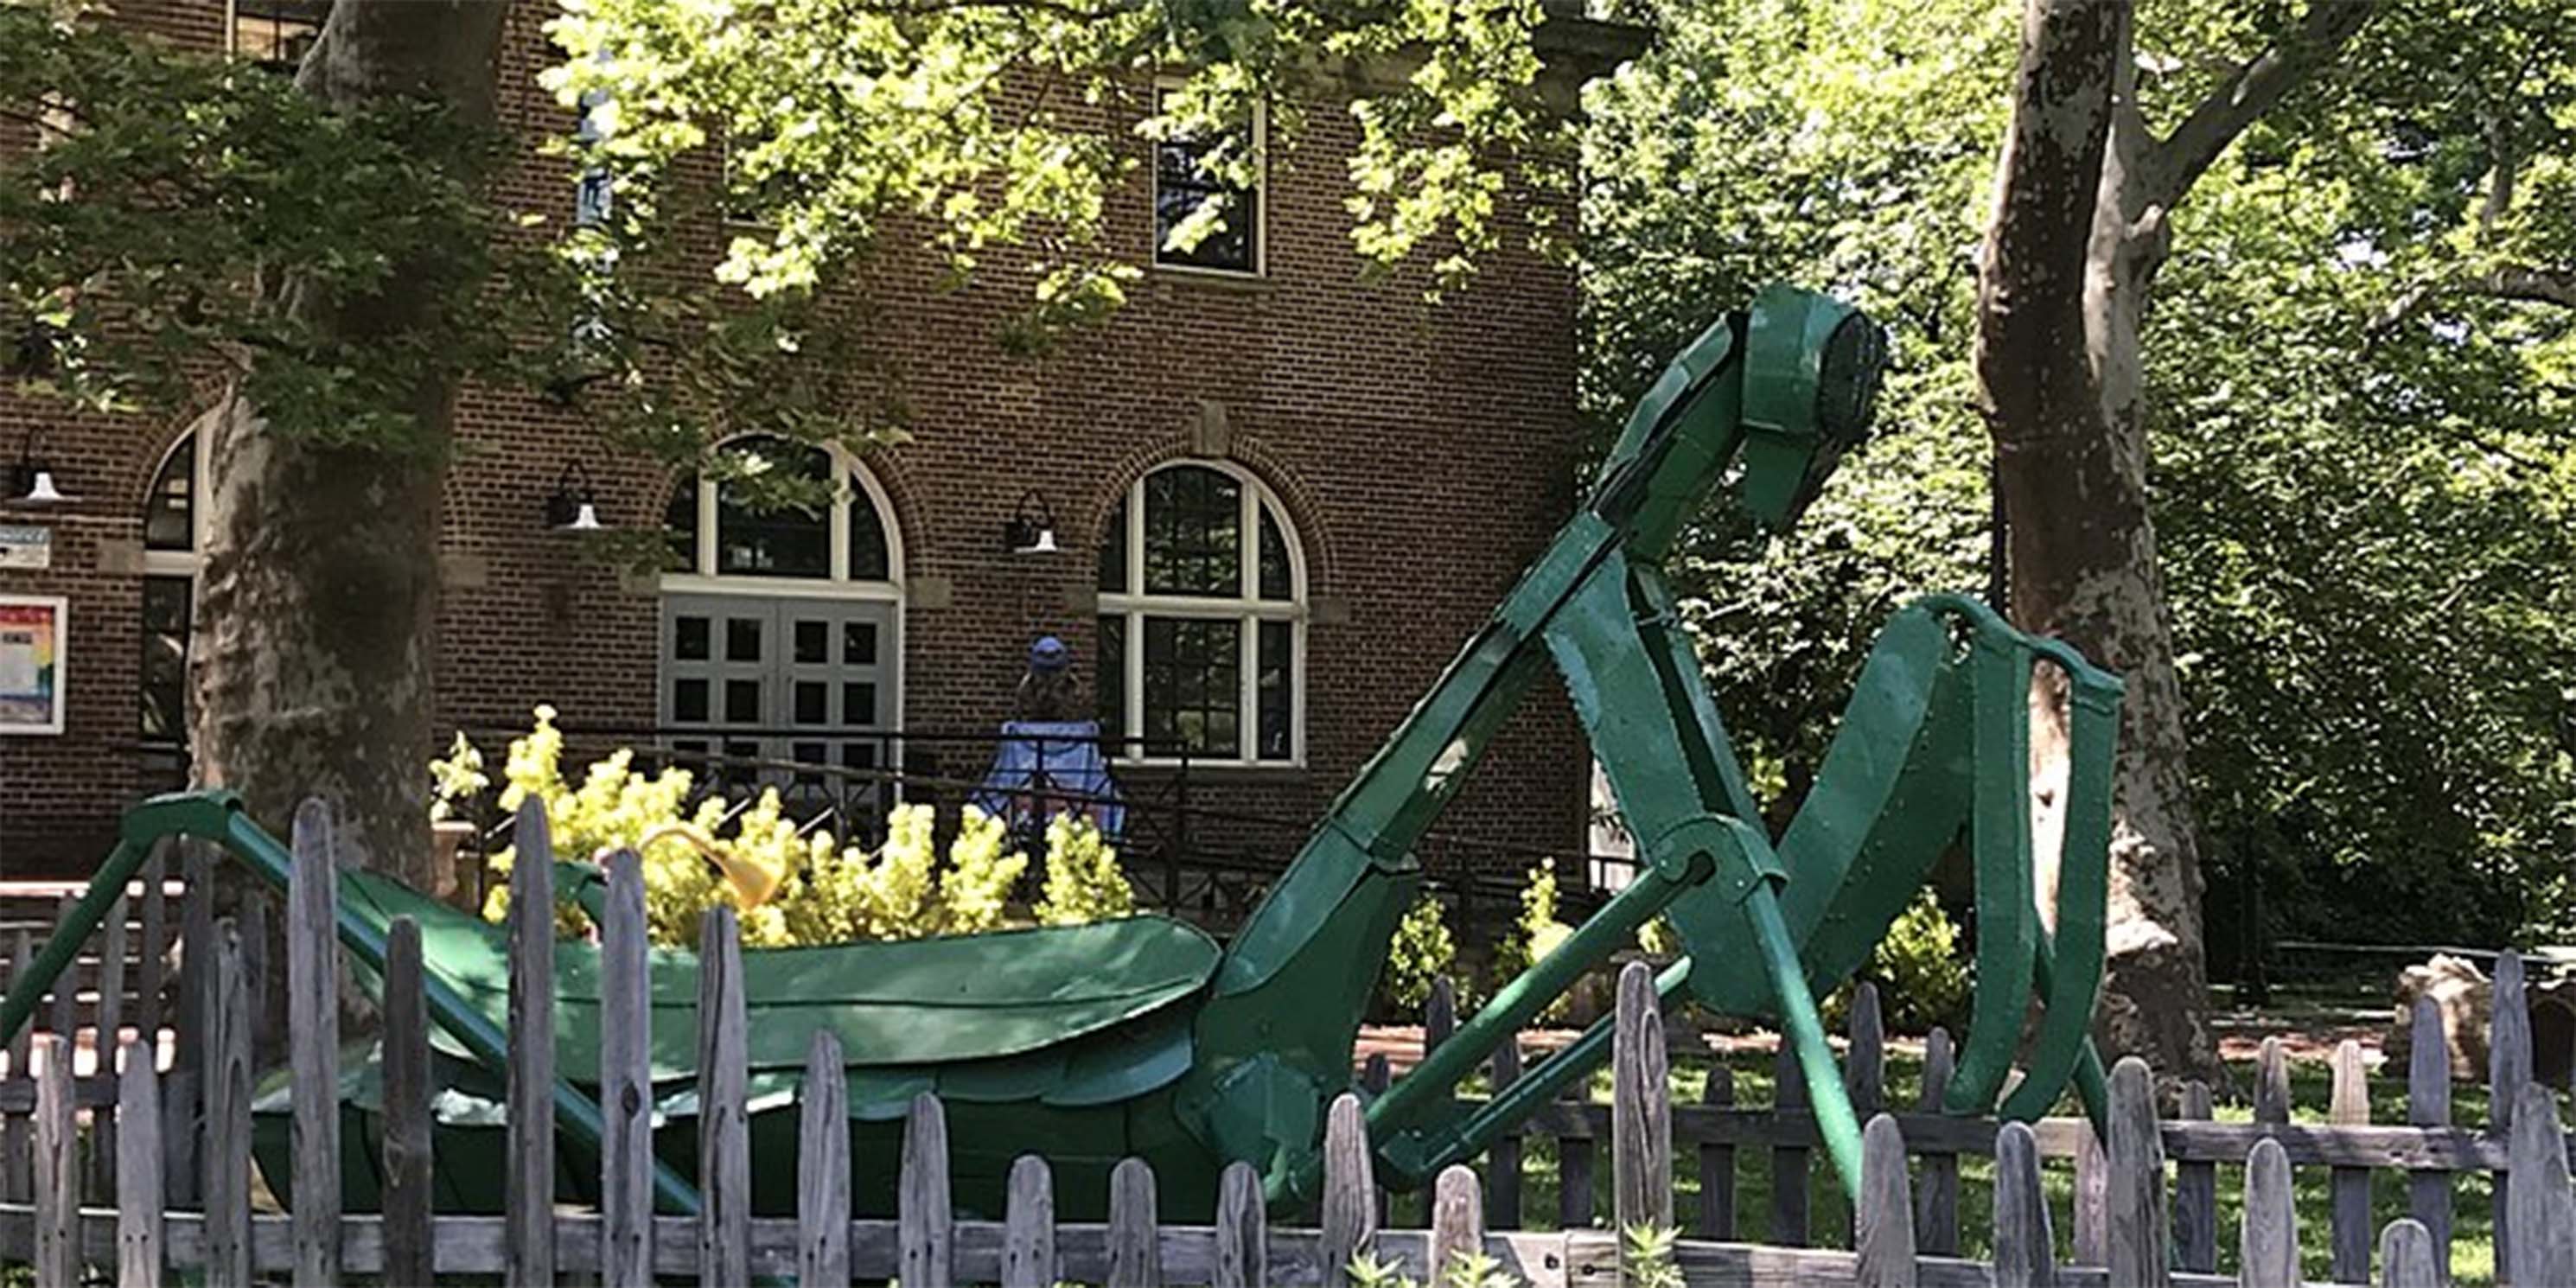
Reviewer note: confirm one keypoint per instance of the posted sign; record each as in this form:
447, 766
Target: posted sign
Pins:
31, 664
25, 547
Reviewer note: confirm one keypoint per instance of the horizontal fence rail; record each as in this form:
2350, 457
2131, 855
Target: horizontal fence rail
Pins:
139, 1169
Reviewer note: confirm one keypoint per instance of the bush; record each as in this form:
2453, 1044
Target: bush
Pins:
1422, 952
1083, 880
1535, 935
788, 886
1923, 981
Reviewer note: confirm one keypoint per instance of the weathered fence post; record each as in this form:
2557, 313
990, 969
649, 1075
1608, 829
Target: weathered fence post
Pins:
1574, 1155
1936, 1202
313, 1040
153, 971
1883, 1224
227, 1089
2544, 1214
1028, 1234
2092, 1211
823, 1166
411, 1250
1717, 1162
2025, 1247
137, 1170
2350, 1186
1864, 1073
57, 1165
528, 1221
1641, 1111
923, 1233
724, 1119
184, 1100
2508, 1069
2268, 1243
2136, 1155
2195, 1215
1349, 1215
1457, 1222
2406, 1256
17, 1151
2428, 1104
625, 1081
110, 1037
1242, 1229
1439, 1015
1788, 1162
2272, 1083
1375, 1076
139, 1192
64, 1021
1135, 1238
1503, 1161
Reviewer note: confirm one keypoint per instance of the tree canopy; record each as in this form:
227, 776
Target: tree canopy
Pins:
2359, 389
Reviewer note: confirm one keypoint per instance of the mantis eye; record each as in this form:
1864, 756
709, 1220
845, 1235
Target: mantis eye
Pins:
1847, 382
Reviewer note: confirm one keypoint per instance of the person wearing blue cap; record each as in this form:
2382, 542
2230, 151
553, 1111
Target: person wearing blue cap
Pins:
1049, 691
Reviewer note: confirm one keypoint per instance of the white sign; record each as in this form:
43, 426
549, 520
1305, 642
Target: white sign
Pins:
25, 547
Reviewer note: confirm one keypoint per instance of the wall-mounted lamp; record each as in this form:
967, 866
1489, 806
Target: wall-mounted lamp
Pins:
1031, 530
570, 508
31, 481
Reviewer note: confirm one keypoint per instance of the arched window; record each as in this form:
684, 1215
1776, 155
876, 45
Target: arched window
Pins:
173, 541
1203, 620
782, 628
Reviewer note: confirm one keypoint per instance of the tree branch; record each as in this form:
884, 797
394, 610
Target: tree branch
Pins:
2529, 285
2252, 90
2521, 283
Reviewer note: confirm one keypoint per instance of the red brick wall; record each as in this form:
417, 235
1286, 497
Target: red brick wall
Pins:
1423, 451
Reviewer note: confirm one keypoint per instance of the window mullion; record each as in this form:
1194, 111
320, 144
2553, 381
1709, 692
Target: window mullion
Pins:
836, 524
1247, 694
707, 534
1133, 662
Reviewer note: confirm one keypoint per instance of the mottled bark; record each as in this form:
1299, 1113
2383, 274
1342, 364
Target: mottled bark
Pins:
2078, 231
317, 627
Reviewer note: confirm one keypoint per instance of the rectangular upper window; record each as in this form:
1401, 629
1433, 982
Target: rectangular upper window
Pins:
1194, 203
276, 33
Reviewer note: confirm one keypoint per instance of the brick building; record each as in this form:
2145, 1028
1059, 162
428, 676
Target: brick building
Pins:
1281, 496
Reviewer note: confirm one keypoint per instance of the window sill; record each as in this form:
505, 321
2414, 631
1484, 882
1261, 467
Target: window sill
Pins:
1223, 279
1277, 771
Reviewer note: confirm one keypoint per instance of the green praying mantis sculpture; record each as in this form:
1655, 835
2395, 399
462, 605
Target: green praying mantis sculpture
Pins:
1145, 1038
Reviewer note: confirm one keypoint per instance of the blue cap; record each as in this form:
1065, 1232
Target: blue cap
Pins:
1049, 654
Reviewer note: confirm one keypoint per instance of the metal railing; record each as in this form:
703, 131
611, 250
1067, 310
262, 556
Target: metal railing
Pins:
1188, 852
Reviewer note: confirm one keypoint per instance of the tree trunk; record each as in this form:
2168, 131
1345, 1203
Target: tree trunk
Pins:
2078, 232
317, 629
2069, 255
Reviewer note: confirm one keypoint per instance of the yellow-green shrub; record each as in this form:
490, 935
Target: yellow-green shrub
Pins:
1083, 879
1421, 952
819, 891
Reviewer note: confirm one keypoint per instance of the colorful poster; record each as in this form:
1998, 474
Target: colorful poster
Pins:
31, 664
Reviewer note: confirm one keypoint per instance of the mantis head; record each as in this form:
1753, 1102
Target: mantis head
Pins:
1811, 374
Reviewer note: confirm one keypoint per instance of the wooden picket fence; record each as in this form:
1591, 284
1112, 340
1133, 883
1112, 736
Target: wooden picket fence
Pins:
145, 1171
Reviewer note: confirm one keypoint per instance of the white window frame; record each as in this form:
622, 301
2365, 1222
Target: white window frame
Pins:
705, 580
838, 584
191, 561
1134, 605
1260, 203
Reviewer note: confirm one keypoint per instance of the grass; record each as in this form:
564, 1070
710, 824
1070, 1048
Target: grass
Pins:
1829, 1214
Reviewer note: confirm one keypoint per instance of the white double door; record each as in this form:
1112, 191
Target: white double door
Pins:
780, 678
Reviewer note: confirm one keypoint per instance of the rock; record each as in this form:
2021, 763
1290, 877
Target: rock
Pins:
2462, 996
